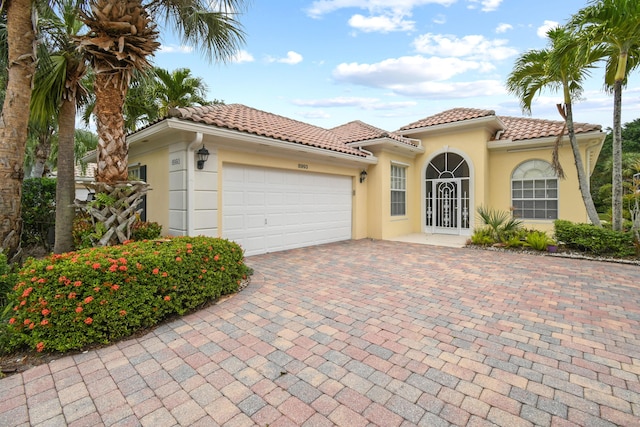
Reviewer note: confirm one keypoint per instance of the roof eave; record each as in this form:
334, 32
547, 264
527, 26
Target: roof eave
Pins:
206, 129
389, 142
444, 127
541, 143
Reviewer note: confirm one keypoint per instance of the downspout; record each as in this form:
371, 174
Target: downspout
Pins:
368, 153
191, 172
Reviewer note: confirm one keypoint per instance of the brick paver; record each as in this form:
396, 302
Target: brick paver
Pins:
369, 333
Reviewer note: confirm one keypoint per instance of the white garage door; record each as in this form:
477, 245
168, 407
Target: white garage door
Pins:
269, 210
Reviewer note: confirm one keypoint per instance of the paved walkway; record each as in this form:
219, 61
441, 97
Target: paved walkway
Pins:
369, 333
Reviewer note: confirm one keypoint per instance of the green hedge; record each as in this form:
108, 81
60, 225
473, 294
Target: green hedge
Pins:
38, 210
599, 241
98, 295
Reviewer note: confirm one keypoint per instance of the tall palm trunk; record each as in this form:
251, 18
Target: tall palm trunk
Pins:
14, 120
616, 178
583, 180
112, 149
65, 188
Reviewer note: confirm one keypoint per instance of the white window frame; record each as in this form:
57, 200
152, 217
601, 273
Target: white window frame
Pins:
399, 189
534, 188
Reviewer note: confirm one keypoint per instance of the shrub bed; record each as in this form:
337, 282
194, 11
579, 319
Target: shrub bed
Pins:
596, 240
97, 295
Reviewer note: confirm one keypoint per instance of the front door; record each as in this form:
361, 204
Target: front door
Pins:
447, 195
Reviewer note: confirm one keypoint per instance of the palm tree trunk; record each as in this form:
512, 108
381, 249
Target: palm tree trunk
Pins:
112, 151
616, 201
583, 181
65, 188
14, 119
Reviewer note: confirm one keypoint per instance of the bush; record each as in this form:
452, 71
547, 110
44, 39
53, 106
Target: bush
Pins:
599, 241
482, 236
98, 295
8, 280
38, 210
145, 230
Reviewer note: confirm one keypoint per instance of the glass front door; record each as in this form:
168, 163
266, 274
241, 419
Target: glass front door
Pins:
447, 195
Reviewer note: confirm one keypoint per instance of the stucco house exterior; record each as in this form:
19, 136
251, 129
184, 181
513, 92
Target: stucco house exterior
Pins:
272, 183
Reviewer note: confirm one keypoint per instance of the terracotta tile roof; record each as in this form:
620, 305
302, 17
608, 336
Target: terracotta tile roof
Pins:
245, 119
521, 128
449, 116
357, 131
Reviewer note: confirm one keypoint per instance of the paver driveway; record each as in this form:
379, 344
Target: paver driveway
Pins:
370, 333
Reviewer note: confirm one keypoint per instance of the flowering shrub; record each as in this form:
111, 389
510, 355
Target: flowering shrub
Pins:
97, 295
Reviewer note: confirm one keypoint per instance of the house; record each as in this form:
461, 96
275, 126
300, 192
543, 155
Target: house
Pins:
272, 183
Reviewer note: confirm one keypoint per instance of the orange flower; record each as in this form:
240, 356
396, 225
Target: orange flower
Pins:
87, 300
44, 322
49, 267
40, 346
95, 266
45, 312
164, 274
156, 271
113, 267
78, 309
88, 320
216, 258
122, 268
27, 292
167, 298
27, 321
77, 283
115, 287
72, 295
12, 320
178, 259
123, 313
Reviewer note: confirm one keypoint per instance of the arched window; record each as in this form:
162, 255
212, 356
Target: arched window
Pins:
534, 191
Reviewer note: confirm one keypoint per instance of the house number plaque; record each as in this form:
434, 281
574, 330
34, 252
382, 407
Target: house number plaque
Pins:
303, 166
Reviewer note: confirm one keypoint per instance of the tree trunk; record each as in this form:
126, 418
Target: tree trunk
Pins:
112, 150
14, 120
65, 188
616, 179
42, 152
583, 180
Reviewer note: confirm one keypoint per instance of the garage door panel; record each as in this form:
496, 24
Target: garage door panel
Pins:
267, 210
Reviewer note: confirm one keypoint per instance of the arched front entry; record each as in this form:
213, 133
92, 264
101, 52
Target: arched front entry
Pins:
448, 195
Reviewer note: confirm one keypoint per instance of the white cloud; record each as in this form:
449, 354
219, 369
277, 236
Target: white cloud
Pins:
383, 23
503, 28
545, 27
440, 19
486, 5
471, 47
172, 48
451, 90
406, 70
242, 56
359, 102
292, 58
403, 7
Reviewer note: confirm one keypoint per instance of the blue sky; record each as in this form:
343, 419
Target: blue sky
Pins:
389, 62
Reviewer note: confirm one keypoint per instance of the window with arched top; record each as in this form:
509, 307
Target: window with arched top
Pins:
534, 191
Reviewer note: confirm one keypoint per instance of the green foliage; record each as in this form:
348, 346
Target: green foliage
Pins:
7, 279
599, 241
98, 295
538, 240
145, 230
85, 233
482, 236
501, 224
38, 210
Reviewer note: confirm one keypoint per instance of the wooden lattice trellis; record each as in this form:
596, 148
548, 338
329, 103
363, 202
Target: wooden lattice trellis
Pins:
114, 206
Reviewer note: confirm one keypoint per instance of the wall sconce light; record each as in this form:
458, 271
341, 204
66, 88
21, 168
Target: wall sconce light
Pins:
363, 176
203, 155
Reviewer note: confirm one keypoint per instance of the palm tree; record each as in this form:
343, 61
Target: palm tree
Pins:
58, 87
178, 89
615, 26
557, 68
21, 64
121, 39
123, 36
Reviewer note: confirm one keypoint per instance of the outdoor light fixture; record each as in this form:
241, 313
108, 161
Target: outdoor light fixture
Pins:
203, 155
363, 176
